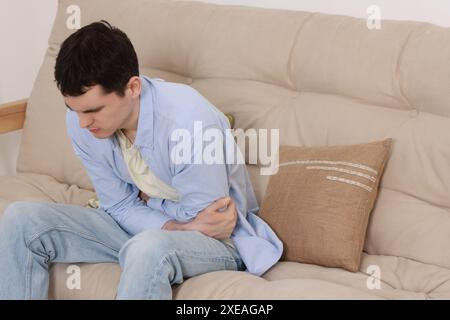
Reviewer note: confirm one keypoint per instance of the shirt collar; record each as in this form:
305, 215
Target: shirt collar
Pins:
144, 132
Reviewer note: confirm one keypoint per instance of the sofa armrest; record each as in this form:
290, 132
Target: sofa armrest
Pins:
12, 115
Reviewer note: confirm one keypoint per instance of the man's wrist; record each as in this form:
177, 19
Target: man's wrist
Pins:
174, 225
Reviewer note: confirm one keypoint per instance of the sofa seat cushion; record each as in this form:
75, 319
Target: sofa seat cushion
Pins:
400, 279
242, 285
100, 281
97, 281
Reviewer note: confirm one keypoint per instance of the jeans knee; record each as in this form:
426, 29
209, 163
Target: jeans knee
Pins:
21, 215
16, 213
149, 245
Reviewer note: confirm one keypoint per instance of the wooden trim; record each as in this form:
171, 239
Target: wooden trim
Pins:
12, 115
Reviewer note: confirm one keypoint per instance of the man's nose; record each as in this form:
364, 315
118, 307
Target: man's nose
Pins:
85, 121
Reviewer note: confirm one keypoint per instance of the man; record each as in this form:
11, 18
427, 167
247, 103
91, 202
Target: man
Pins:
161, 219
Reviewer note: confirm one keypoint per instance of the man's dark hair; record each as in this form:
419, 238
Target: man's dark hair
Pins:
97, 54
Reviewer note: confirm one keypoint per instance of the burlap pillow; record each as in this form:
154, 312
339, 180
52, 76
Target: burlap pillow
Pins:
320, 200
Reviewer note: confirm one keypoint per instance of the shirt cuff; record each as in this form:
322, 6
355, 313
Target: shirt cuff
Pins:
155, 203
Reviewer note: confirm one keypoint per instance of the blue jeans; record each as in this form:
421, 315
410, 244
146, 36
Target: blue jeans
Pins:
35, 234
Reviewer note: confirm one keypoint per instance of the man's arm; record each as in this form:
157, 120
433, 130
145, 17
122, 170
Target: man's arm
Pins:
211, 221
134, 216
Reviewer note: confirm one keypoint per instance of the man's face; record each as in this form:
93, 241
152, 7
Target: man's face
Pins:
105, 113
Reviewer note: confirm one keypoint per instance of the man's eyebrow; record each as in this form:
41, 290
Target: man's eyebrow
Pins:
86, 111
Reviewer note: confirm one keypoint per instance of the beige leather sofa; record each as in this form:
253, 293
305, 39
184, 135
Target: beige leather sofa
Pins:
323, 80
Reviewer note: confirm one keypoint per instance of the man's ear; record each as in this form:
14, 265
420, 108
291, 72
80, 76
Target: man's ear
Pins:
134, 86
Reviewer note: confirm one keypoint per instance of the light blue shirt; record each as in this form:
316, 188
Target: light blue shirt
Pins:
165, 107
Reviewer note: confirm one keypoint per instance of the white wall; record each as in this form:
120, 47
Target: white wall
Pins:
25, 26
24, 30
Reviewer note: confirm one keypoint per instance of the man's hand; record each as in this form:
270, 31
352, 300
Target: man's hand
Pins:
210, 221
214, 223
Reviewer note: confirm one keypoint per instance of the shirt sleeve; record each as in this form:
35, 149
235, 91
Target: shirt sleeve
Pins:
198, 184
117, 197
